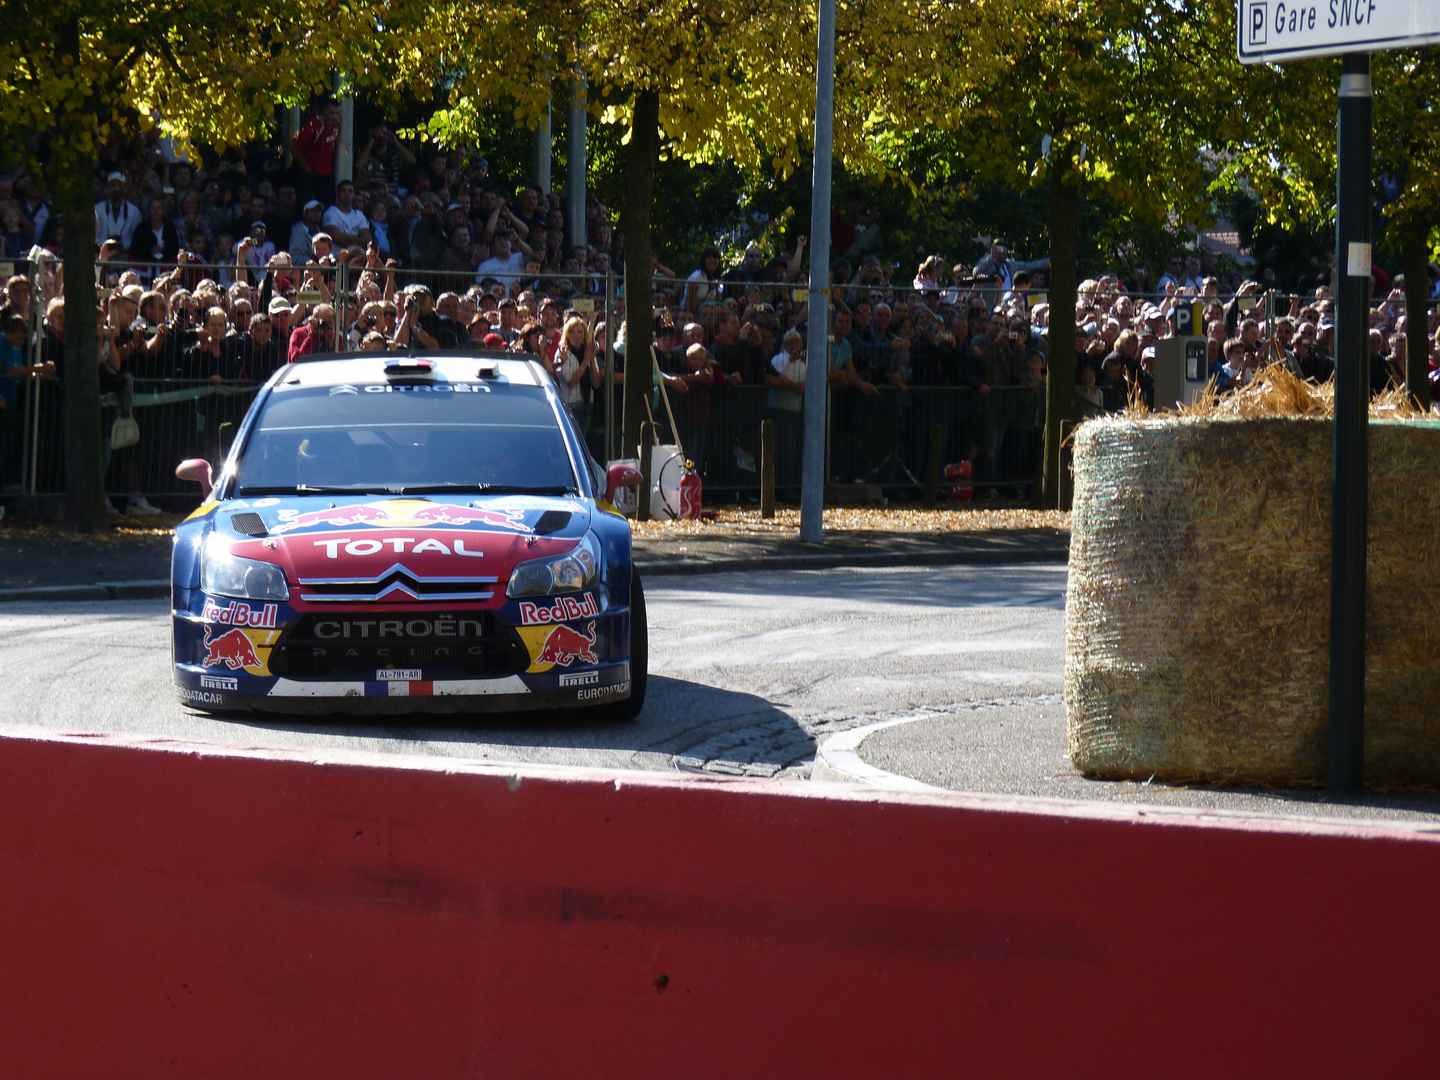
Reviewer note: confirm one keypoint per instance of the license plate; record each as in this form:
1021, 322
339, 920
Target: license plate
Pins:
397, 675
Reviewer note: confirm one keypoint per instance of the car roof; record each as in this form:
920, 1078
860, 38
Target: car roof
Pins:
340, 368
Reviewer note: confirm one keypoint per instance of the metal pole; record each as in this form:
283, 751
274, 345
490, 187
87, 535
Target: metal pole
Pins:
1352, 402
345, 147
575, 120
39, 301
812, 492
611, 445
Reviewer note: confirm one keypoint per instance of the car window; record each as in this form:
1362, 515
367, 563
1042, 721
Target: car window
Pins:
406, 435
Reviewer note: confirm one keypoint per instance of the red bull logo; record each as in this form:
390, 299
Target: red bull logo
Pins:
231, 649
564, 608
564, 646
238, 614
402, 514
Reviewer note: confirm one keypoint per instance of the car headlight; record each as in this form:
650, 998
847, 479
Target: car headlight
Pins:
225, 574
577, 569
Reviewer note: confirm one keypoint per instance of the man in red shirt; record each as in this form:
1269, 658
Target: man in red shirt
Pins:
314, 150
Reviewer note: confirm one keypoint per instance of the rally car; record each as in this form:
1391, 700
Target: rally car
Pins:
396, 533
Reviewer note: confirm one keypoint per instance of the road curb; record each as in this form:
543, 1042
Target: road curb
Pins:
826, 561
146, 590
114, 590
837, 760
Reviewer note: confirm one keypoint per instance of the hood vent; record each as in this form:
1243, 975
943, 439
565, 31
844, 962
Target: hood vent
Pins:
248, 524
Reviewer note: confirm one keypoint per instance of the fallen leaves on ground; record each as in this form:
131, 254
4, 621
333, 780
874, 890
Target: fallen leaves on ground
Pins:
115, 531
746, 520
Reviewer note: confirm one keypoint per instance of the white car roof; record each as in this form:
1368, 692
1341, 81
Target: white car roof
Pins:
448, 367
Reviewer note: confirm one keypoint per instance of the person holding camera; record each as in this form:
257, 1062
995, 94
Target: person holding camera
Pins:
315, 335
383, 157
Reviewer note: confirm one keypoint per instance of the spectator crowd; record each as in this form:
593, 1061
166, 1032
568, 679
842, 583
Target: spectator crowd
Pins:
216, 277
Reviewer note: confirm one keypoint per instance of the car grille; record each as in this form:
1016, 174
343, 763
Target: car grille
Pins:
347, 643
397, 584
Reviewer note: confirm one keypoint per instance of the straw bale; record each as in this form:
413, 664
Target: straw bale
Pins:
1198, 608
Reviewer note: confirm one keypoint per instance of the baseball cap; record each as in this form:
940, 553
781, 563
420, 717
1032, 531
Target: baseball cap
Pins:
115, 176
313, 204
494, 341
279, 304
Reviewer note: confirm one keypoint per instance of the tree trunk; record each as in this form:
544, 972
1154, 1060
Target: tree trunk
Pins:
639, 288
74, 203
1416, 264
1060, 384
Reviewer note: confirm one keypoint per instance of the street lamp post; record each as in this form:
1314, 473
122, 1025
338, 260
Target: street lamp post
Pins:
812, 488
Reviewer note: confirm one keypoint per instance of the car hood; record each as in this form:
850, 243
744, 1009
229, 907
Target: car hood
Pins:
401, 550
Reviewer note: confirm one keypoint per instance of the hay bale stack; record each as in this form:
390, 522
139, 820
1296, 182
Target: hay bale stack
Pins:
1198, 607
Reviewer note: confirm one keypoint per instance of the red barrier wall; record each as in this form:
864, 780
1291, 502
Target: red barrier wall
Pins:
201, 912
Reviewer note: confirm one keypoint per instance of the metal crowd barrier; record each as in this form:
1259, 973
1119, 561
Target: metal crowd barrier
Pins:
990, 443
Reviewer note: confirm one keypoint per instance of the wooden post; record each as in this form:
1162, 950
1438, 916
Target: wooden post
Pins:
647, 441
769, 444
932, 464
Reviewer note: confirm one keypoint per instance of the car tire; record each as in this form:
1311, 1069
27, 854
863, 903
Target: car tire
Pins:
639, 657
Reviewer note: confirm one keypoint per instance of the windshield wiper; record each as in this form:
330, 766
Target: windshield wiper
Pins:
311, 489
488, 489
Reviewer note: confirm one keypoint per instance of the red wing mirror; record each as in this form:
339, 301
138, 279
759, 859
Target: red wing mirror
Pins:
620, 476
197, 469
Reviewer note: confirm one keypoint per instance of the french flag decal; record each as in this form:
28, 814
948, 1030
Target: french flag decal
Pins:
411, 688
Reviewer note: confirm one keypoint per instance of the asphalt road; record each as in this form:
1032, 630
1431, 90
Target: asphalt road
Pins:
747, 670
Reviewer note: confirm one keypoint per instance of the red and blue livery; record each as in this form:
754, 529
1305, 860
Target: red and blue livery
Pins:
393, 534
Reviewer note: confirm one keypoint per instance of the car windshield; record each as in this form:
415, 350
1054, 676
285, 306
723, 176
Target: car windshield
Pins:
406, 437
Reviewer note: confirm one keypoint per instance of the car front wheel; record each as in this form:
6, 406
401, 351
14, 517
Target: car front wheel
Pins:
639, 657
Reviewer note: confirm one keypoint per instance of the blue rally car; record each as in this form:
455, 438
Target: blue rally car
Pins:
393, 534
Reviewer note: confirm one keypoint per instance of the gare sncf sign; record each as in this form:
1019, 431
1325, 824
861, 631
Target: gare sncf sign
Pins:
1270, 31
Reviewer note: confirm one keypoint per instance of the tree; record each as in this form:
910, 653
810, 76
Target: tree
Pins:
80, 73
1407, 91
710, 81
1289, 158
1125, 96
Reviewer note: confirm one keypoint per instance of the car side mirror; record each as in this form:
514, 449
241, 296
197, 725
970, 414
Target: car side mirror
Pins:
197, 469
620, 476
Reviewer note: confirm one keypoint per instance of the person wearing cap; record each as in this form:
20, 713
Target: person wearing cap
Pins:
300, 247
255, 249
281, 311
345, 221
480, 175
116, 218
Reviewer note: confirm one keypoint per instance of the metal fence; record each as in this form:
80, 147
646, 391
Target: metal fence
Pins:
876, 440
993, 441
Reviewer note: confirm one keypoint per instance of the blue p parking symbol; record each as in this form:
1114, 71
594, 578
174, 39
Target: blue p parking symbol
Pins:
1257, 24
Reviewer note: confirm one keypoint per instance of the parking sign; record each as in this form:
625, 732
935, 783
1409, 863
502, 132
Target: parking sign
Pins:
1270, 31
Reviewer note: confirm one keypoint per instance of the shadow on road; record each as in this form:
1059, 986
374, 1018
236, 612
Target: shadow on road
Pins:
678, 715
